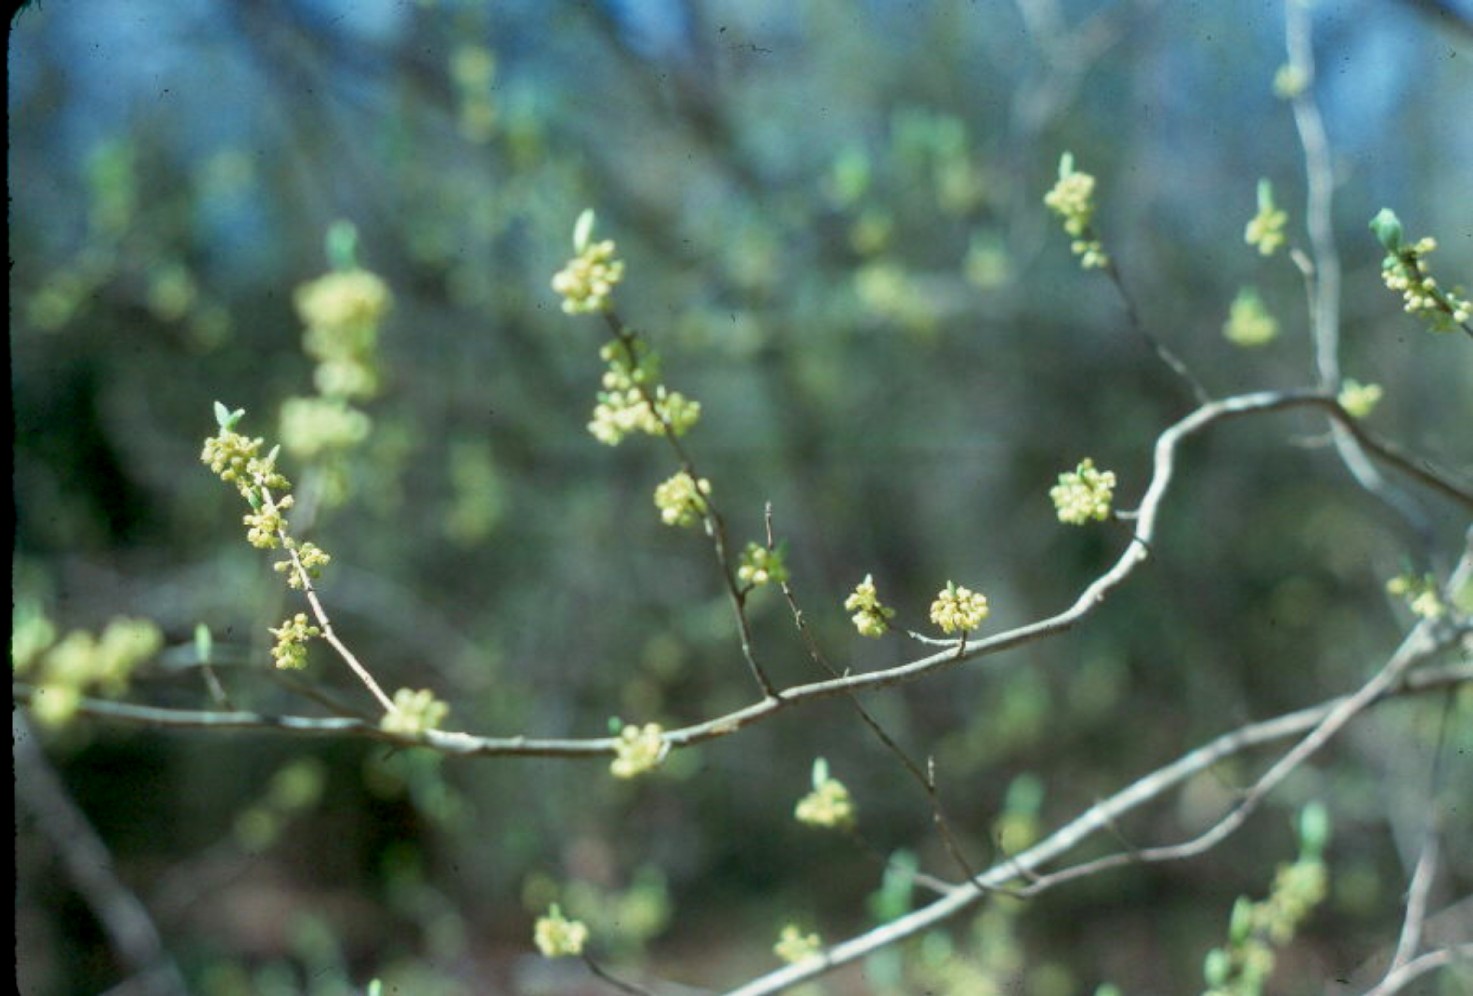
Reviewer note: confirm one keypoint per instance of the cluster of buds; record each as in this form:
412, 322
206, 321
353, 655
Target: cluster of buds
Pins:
1359, 399
1404, 271
1083, 494
414, 712
1249, 322
794, 946
760, 566
829, 804
633, 400
1265, 232
682, 500
638, 749
1072, 198
558, 937
958, 609
587, 282
290, 650
869, 616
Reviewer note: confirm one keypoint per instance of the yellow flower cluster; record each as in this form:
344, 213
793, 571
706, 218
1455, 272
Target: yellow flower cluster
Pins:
232, 458
870, 617
1359, 399
958, 609
760, 566
290, 650
342, 311
1404, 272
1265, 231
587, 281
829, 804
794, 946
267, 522
80, 662
414, 712
638, 749
558, 937
682, 500
1072, 198
1249, 323
1420, 593
630, 385
311, 427
1083, 494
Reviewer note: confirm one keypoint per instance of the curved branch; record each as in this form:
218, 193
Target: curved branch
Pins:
1094, 594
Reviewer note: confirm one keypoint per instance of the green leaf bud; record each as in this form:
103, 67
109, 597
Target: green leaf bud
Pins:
1387, 228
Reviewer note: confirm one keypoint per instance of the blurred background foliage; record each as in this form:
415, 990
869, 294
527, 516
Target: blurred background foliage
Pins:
832, 218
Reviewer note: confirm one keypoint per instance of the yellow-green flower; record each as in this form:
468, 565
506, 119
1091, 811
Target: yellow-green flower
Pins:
414, 712
290, 650
1265, 231
1421, 594
829, 804
759, 566
1249, 322
1072, 199
588, 280
558, 937
1359, 399
1083, 494
958, 609
639, 749
682, 500
794, 946
343, 300
870, 617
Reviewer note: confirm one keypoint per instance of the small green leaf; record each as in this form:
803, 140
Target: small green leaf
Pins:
1066, 165
342, 245
820, 772
226, 418
203, 643
1387, 228
583, 230
1240, 924
1314, 830
1217, 967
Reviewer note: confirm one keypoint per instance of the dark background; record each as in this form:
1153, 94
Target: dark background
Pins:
832, 218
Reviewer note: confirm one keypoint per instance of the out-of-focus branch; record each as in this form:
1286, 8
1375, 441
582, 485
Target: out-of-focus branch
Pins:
129, 928
1322, 273
1397, 980
1322, 721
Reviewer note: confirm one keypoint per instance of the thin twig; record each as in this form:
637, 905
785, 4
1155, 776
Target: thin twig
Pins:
617, 983
1162, 351
1421, 645
324, 622
927, 779
1418, 967
1322, 272
1417, 895
716, 524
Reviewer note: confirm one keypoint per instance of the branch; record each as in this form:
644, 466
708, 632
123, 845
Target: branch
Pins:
1322, 274
126, 922
1104, 814
1416, 968
1094, 594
